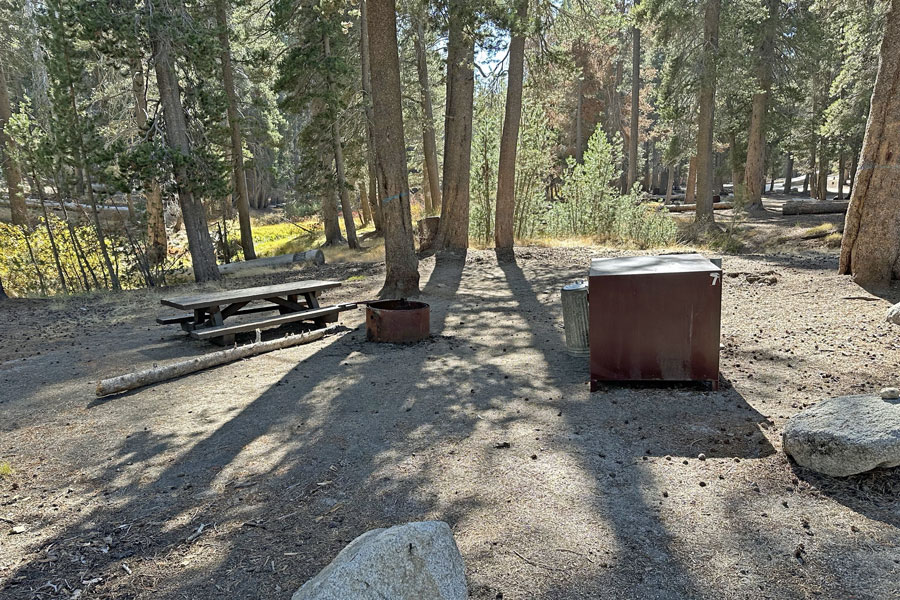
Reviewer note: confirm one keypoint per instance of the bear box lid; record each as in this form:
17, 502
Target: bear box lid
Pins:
652, 265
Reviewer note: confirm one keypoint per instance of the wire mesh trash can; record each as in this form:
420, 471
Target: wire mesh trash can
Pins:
575, 318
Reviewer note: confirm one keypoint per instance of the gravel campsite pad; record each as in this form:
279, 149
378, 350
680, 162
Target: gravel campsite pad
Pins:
245, 480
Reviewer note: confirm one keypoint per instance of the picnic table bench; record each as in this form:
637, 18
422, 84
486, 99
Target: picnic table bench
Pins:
294, 301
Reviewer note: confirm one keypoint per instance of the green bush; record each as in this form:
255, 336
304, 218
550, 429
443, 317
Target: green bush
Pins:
591, 203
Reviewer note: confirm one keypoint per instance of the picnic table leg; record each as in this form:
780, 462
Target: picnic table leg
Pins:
216, 318
313, 302
199, 318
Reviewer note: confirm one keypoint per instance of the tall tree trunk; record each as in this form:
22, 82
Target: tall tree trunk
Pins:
509, 139
788, 173
333, 235
234, 124
203, 257
453, 232
635, 105
812, 180
3, 295
579, 122
426, 191
54, 249
871, 245
670, 181
8, 150
690, 189
364, 206
755, 167
824, 167
366, 74
429, 144
840, 180
707, 112
343, 188
157, 243
854, 163
400, 261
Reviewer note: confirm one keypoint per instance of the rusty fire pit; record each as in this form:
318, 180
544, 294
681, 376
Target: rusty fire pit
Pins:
397, 321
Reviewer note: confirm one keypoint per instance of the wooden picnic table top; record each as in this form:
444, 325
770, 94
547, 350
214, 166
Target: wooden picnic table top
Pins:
248, 294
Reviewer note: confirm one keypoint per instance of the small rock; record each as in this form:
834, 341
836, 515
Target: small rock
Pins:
19, 529
406, 562
701, 456
893, 314
501, 445
890, 393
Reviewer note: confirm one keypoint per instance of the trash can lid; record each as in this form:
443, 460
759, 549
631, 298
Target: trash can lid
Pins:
576, 285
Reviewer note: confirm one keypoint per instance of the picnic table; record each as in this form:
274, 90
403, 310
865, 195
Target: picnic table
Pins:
295, 301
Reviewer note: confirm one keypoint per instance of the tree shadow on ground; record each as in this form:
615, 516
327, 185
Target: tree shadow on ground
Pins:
617, 432
258, 495
873, 494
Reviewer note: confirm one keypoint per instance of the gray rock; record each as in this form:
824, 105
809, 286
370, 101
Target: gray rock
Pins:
893, 314
845, 435
890, 393
406, 562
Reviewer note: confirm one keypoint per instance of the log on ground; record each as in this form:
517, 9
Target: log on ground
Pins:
313, 257
805, 207
693, 207
131, 381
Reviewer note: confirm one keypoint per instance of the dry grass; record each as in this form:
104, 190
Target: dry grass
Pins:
833, 240
822, 229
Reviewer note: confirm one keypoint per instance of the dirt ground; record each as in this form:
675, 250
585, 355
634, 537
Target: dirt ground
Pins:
245, 480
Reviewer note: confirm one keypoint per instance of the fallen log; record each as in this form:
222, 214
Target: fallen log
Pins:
807, 207
313, 257
131, 381
693, 207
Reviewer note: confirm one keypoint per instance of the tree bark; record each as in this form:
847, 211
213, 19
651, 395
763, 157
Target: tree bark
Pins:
234, 124
509, 139
690, 188
871, 245
364, 206
8, 150
343, 189
822, 183
635, 105
333, 235
670, 181
157, 243
454, 228
203, 257
840, 180
788, 173
426, 191
706, 118
366, 73
400, 261
579, 122
755, 166
812, 184
429, 144
3, 295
